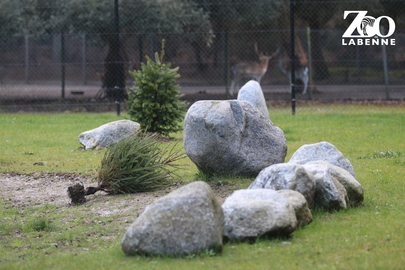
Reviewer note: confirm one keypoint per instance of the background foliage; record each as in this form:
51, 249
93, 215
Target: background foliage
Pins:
48, 47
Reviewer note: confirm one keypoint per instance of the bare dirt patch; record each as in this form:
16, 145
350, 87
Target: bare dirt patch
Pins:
39, 189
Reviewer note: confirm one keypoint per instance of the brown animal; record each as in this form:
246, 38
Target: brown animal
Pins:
252, 70
301, 65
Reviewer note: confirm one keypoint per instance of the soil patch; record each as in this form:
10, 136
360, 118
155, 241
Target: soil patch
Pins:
39, 189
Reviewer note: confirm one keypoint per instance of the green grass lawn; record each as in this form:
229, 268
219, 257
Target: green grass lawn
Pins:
54, 237
50, 140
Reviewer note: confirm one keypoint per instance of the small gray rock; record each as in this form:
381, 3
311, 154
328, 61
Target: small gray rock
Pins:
329, 193
300, 205
324, 151
253, 93
252, 213
108, 134
286, 176
354, 189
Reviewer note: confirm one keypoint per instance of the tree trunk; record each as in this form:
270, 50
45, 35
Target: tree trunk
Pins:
197, 48
113, 76
318, 61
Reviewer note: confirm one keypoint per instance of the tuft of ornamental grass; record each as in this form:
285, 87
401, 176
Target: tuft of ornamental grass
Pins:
137, 164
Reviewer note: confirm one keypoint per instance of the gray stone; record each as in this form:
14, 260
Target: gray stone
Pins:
232, 137
287, 176
253, 213
354, 189
324, 151
300, 205
187, 221
329, 193
108, 134
253, 93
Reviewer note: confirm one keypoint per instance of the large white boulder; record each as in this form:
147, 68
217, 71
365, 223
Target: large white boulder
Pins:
187, 221
252, 92
324, 151
232, 137
108, 134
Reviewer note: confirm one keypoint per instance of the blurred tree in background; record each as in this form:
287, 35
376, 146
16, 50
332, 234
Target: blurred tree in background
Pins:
96, 18
200, 23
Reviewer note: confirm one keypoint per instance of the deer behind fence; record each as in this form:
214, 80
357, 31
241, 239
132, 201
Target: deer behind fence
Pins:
250, 70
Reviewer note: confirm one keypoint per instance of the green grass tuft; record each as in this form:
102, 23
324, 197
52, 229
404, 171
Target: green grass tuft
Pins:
387, 154
38, 225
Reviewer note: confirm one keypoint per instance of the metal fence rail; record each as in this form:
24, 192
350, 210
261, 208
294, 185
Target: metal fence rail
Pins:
73, 69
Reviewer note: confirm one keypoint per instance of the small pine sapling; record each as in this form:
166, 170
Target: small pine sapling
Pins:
154, 100
135, 164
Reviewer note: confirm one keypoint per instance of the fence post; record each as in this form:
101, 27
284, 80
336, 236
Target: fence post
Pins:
84, 56
117, 57
309, 63
385, 66
292, 56
27, 58
63, 60
140, 44
226, 62
357, 63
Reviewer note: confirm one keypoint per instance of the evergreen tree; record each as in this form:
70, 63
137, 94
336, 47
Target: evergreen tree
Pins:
154, 101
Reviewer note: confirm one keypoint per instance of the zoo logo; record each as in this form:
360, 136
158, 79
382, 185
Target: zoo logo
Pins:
367, 27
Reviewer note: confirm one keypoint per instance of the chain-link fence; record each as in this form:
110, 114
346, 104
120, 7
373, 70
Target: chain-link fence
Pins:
75, 63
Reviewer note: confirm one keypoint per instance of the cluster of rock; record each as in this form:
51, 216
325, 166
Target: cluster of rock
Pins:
237, 138
320, 173
190, 220
108, 134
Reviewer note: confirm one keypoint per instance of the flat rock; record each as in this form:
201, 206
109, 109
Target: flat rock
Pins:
108, 134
